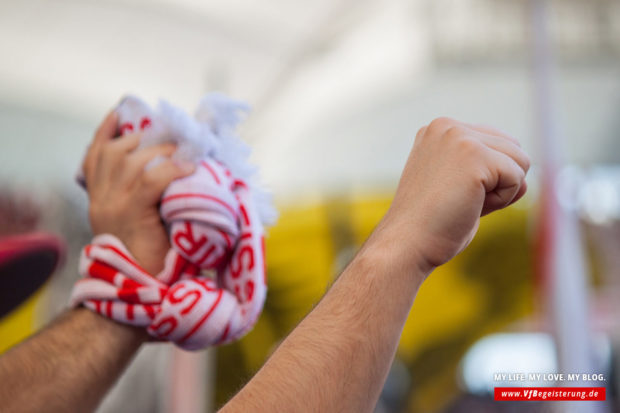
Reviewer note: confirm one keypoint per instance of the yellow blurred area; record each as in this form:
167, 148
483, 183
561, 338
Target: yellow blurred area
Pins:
483, 289
20, 323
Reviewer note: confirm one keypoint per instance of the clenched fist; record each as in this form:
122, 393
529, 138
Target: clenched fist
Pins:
455, 174
124, 196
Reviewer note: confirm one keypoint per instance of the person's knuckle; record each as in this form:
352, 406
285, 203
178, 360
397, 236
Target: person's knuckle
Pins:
514, 140
508, 137
520, 174
466, 146
456, 132
481, 173
527, 162
440, 123
421, 132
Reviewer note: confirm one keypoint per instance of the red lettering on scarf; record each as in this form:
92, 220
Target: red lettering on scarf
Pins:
249, 290
206, 255
125, 128
180, 263
176, 300
235, 270
145, 123
203, 319
224, 334
171, 321
206, 284
226, 238
150, 311
246, 218
239, 182
192, 245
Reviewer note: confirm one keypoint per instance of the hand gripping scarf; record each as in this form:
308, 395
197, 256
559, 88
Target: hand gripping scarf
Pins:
213, 285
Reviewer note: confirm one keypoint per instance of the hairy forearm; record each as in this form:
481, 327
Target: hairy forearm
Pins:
68, 366
72, 363
337, 359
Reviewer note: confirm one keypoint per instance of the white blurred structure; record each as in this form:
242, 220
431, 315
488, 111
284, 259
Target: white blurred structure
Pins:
339, 87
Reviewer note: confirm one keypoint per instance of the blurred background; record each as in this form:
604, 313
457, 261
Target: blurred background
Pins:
339, 89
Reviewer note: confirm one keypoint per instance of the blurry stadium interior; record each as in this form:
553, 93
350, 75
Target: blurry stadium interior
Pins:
339, 89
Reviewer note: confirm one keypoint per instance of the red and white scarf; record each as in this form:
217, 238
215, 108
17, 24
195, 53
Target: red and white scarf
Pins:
213, 285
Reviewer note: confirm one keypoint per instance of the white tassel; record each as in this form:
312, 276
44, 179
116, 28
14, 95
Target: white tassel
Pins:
211, 133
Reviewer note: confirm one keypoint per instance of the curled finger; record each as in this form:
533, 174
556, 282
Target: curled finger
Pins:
156, 180
503, 183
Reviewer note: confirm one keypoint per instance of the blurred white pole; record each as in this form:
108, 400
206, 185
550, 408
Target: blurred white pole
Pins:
190, 383
564, 266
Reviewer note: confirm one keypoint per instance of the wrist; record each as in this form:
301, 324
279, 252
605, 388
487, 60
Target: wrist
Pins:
150, 255
388, 249
391, 245
135, 336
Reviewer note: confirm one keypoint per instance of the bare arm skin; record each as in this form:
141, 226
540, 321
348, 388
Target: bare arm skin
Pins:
68, 366
71, 364
337, 359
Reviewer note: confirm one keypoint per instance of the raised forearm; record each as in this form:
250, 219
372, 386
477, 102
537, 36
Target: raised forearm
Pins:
337, 359
68, 366
72, 363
